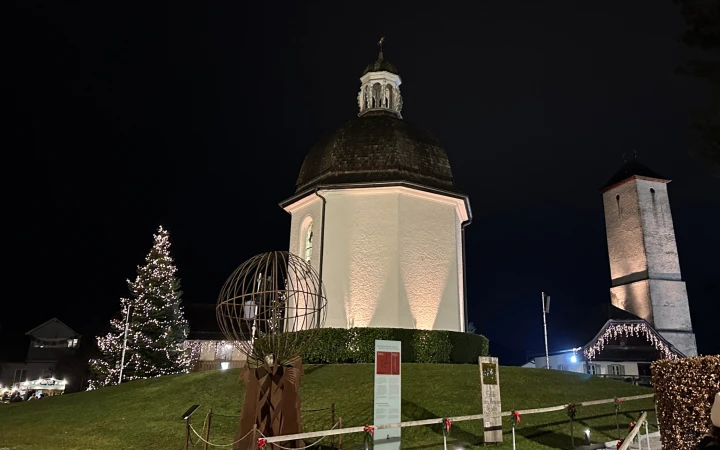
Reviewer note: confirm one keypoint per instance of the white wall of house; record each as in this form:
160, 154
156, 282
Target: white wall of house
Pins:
564, 361
218, 350
33, 370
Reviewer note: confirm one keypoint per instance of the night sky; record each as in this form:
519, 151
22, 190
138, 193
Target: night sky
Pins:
198, 117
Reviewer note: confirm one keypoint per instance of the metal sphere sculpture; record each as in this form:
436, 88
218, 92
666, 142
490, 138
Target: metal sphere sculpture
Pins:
266, 301
269, 308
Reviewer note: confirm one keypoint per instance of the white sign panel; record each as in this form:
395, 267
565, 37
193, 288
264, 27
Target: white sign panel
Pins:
387, 394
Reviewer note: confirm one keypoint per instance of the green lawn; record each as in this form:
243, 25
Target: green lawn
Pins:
145, 414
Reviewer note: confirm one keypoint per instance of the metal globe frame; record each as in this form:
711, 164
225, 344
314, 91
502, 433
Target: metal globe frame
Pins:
266, 301
269, 308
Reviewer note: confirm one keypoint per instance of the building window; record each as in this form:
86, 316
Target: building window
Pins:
616, 369
224, 351
20, 375
309, 242
72, 343
593, 369
562, 367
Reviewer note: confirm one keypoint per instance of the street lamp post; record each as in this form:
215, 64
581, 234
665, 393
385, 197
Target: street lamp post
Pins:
122, 358
546, 310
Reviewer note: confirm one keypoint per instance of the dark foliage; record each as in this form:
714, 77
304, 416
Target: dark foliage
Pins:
357, 345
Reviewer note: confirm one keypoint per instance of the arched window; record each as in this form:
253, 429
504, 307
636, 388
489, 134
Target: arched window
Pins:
309, 242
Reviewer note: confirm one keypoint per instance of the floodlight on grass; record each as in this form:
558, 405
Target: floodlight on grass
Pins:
189, 412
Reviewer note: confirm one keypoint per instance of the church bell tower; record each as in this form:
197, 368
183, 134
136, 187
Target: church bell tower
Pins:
644, 263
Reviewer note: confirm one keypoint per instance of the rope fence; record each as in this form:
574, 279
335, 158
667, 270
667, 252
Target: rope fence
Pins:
334, 431
415, 423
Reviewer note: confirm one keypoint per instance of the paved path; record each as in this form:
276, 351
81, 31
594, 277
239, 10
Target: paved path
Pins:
654, 443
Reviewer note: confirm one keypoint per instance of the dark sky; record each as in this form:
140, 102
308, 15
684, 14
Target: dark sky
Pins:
198, 117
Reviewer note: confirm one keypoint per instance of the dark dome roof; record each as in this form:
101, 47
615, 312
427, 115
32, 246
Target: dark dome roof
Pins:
380, 65
377, 147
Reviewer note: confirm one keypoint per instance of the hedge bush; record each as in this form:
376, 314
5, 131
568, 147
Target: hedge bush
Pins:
357, 345
684, 391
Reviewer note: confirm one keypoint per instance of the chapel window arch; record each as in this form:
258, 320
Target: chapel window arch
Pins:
307, 240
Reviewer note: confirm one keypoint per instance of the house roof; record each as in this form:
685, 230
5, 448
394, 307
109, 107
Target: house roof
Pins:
613, 322
53, 320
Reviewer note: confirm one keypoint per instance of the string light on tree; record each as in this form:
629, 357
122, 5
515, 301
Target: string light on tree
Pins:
157, 328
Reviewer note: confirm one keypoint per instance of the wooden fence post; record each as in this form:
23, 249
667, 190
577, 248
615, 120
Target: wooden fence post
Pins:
340, 436
207, 431
332, 424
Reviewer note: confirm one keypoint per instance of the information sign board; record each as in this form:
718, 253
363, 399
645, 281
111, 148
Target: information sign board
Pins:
387, 394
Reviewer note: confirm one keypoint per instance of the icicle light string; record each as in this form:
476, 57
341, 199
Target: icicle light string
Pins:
624, 330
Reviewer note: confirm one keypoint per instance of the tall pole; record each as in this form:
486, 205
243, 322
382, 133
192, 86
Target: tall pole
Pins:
122, 358
547, 354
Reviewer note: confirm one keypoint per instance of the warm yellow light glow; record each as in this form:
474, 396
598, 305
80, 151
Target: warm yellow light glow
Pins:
425, 262
372, 246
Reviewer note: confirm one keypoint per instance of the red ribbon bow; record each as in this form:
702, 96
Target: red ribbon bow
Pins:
261, 443
370, 430
619, 444
631, 425
448, 424
571, 411
516, 416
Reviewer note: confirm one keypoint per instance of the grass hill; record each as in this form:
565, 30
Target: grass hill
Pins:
145, 414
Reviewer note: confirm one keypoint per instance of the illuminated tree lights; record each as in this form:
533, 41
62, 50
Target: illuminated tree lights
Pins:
157, 327
634, 329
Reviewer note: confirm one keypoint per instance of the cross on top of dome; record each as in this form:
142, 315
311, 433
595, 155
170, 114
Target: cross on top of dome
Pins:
380, 86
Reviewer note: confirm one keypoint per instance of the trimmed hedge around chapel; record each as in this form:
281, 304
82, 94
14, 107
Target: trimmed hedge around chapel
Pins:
357, 345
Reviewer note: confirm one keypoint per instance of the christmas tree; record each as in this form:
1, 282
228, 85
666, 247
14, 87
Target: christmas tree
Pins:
156, 327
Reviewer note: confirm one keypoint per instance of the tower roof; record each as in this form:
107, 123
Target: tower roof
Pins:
377, 147
632, 169
380, 65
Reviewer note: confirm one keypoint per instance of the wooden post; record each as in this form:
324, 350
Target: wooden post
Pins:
572, 434
340, 436
332, 424
207, 430
187, 433
490, 388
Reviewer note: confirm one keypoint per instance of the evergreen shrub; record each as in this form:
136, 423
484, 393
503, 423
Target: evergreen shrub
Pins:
357, 345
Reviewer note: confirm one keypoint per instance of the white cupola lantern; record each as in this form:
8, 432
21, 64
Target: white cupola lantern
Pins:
380, 87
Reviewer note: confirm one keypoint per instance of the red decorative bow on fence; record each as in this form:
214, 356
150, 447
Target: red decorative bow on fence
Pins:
618, 403
369, 432
515, 418
631, 425
571, 411
261, 443
447, 424
619, 444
